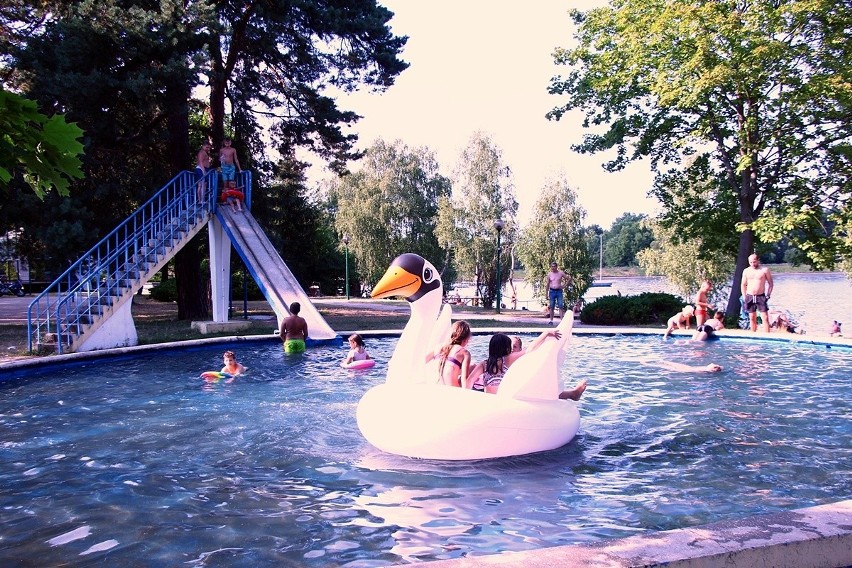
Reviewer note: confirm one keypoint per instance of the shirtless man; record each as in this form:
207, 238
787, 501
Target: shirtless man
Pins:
294, 330
756, 288
556, 279
202, 164
702, 304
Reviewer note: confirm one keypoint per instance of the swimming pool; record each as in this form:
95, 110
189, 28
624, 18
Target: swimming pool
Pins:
138, 461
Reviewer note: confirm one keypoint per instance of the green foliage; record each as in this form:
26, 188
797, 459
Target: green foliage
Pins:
389, 207
646, 308
759, 93
628, 235
298, 226
684, 261
556, 234
44, 150
483, 192
237, 292
165, 291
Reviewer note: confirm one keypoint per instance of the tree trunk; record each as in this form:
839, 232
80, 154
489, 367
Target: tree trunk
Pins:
192, 292
192, 300
745, 250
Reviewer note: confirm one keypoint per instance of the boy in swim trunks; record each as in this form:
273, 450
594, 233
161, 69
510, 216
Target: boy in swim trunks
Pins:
701, 303
294, 330
228, 161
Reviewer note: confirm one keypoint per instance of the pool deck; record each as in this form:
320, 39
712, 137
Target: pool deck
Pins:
818, 536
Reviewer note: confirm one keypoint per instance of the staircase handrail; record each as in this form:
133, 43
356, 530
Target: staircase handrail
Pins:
51, 306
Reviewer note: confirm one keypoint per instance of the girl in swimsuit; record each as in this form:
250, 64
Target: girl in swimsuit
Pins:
454, 358
357, 351
487, 375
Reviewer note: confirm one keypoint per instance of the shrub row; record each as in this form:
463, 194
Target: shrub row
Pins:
646, 308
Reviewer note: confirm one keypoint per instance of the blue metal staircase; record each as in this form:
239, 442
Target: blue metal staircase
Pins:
107, 276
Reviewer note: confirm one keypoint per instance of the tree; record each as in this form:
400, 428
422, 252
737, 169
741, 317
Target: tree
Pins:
279, 59
389, 206
45, 150
685, 261
760, 91
628, 235
483, 192
556, 234
125, 69
298, 226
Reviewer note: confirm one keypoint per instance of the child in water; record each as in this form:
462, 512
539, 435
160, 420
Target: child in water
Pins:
357, 351
232, 367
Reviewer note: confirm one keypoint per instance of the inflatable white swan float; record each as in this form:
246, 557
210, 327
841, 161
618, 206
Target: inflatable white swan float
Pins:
412, 415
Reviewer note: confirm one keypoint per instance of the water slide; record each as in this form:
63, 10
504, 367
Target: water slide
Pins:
275, 280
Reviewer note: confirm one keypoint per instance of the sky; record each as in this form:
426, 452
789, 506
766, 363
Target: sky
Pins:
480, 65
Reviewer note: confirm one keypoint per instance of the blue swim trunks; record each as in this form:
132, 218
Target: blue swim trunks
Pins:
555, 297
229, 172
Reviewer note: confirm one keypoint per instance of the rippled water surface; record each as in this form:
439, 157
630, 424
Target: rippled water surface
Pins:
137, 461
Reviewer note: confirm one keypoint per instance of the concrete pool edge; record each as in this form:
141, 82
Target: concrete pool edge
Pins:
815, 536
819, 536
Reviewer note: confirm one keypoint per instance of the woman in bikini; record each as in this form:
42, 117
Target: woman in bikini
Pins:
454, 358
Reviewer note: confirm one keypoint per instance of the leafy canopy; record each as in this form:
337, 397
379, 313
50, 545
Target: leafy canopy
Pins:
388, 207
759, 90
44, 150
556, 234
483, 192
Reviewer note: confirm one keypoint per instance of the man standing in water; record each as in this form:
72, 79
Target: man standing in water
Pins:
756, 289
294, 330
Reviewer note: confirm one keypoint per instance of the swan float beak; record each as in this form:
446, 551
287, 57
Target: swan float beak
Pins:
409, 276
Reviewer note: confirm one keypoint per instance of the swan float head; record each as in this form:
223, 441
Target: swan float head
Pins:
409, 276
412, 277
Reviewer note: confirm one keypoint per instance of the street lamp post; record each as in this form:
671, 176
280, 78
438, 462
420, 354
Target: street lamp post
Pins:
498, 224
600, 273
346, 256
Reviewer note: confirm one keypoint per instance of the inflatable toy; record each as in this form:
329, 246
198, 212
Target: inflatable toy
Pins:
363, 364
232, 193
412, 415
215, 375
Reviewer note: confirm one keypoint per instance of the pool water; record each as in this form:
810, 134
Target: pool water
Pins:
137, 461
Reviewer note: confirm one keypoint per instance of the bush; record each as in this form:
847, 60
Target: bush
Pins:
646, 308
254, 292
165, 291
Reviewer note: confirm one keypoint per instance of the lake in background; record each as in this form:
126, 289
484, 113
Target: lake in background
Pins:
813, 299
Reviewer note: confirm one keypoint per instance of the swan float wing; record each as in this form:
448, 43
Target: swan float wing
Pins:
536, 375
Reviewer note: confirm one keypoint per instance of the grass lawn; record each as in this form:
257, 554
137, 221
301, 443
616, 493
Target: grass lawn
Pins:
156, 322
